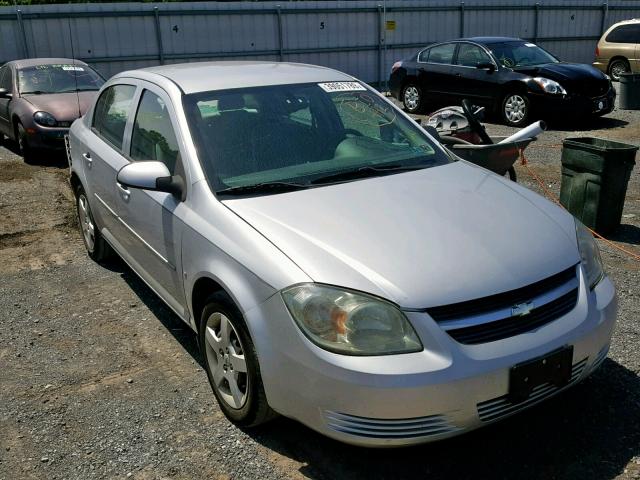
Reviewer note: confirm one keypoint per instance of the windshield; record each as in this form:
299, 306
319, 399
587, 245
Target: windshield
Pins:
301, 133
58, 78
521, 54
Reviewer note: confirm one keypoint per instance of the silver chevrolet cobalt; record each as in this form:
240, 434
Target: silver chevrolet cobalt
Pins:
338, 265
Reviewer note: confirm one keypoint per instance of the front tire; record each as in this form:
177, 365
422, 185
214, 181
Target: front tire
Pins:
515, 109
413, 98
232, 364
617, 68
97, 247
23, 144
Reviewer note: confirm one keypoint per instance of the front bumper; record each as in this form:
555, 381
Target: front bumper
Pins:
573, 105
47, 138
445, 390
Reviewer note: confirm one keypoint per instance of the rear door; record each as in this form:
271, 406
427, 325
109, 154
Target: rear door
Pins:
6, 81
102, 155
154, 219
480, 86
434, 71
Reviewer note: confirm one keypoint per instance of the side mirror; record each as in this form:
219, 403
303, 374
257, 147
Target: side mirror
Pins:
4, 93
151, 175
488, 66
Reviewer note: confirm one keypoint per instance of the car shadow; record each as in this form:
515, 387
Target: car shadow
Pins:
174, 325
589, 124
589, 431
43, 158
626, 233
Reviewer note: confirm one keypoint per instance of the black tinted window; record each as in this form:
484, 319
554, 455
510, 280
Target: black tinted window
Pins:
153, 137
442, 53
625, 34
471, 55
5, 78
111, 113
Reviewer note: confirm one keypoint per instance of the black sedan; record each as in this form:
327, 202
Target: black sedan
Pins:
509, 76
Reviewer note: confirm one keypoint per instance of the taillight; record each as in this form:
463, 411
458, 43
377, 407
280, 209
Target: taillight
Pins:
597, 51
396, 66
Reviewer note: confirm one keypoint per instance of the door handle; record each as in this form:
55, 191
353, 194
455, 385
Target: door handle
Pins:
87, 158
124, 191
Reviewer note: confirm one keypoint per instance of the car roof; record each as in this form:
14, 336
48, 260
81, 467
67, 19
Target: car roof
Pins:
32, 62
205, 76
490, 40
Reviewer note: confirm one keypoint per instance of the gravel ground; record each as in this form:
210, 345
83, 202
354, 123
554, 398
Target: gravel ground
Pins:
100, 380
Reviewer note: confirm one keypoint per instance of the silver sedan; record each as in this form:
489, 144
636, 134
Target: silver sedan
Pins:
337, 264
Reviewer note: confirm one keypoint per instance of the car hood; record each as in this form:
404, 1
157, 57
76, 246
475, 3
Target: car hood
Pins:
63, 106
564, 72
430, 237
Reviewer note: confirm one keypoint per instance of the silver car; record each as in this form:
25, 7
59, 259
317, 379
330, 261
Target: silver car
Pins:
339, 266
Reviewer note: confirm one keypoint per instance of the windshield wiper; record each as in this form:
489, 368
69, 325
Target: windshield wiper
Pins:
364, 172
267, 187
79, 90
34, 92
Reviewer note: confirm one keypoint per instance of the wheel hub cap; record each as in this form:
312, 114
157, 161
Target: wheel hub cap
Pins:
515, 108
411, 98
86, 223
226, 360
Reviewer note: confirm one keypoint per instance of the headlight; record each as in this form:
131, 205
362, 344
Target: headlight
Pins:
590, 255
45, 119
350, 323
550, 86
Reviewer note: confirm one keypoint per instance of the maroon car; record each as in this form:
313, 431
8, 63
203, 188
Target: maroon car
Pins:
41, 97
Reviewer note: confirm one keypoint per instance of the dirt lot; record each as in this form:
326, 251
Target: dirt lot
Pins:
100, 380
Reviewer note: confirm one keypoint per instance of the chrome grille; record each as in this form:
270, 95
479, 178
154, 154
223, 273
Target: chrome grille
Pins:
501, 406
384, 428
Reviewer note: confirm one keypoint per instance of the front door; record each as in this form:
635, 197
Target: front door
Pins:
6, 81
477, 85
154, 219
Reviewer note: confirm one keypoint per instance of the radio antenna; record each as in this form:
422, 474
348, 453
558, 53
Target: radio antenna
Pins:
75, 72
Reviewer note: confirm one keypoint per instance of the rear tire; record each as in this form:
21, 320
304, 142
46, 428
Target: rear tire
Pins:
413, 98
617, 67
515, 109
232, 363
97, 247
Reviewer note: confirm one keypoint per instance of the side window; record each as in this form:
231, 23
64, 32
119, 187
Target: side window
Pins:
629, 33
442, 53
111, 113
153, 137
423, 56
471, 55
5, 78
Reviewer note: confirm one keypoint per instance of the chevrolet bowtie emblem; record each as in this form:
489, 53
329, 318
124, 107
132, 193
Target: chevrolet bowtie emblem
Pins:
521, 309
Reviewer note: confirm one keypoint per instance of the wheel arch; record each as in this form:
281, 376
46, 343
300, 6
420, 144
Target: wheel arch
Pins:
614, 58
74, 181
202, 289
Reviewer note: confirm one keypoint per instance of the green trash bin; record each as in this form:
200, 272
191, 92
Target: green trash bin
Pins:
595, 173
629, 91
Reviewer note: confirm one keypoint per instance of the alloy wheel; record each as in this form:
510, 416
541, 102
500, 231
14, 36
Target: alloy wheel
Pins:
618, 68
411, 97
227, 364
86, 222
515, 108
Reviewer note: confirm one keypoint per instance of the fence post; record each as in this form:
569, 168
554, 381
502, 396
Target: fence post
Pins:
462, 19
156, 15
23, 34
535, 25
380, 27
280, 39
605, 14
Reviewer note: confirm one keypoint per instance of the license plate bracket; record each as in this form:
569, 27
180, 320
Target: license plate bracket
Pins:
553, 368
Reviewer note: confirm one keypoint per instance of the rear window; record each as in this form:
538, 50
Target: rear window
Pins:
111, 112
625, 34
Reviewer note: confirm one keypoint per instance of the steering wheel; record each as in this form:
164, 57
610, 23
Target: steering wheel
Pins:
474, 123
